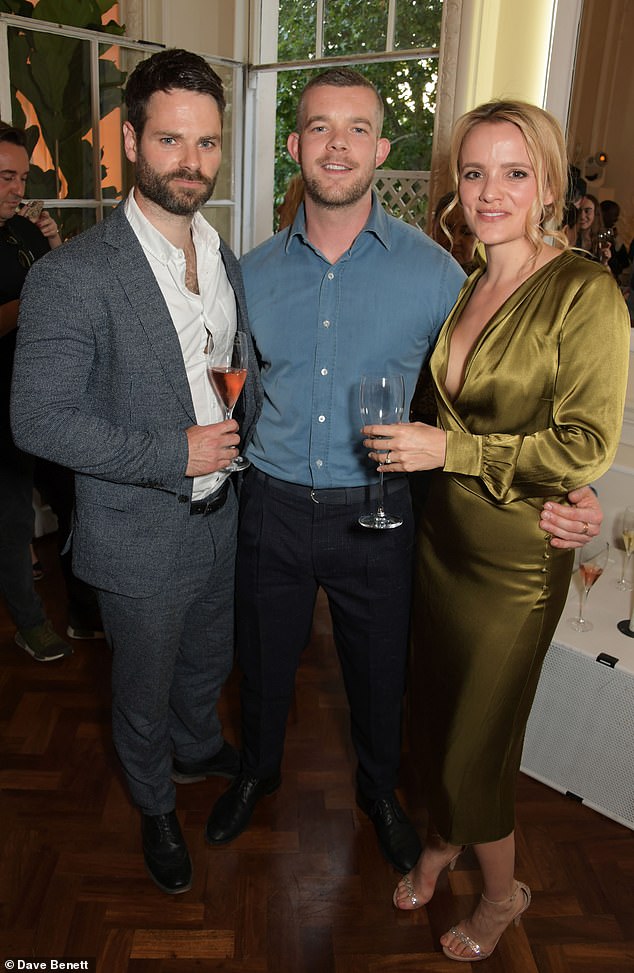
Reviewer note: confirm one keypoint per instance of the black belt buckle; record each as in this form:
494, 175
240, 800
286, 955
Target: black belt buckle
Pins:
212, 503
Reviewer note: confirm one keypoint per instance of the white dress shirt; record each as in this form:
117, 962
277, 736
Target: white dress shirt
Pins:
193, 315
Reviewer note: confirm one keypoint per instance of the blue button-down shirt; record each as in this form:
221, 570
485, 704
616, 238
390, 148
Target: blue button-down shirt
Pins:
318, 327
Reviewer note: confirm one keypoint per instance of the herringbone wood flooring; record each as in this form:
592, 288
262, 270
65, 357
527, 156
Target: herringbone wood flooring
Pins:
304, 890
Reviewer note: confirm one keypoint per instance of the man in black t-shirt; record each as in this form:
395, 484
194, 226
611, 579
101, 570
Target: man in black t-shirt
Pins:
21, 244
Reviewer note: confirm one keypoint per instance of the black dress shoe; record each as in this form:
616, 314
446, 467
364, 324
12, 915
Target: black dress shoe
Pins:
225, 763
397, 836
165, 853
233, 809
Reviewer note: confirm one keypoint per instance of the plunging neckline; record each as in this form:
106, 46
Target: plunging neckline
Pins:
489, 324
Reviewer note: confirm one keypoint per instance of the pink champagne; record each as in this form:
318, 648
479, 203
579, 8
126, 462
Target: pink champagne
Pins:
228, 383
590, 573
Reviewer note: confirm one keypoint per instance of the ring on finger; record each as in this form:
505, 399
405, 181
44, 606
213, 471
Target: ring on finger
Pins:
586, 527
387, 459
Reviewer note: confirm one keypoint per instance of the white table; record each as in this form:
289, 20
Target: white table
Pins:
580, 734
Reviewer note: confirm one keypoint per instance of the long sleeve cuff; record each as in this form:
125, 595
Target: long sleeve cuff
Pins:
463, 453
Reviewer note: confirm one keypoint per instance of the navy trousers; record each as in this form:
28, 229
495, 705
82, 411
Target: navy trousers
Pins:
172, 654
289, 546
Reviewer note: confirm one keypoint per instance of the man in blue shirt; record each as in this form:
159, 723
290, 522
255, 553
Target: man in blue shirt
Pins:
347, 290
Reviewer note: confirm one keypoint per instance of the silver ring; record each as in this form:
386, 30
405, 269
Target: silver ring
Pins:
387, 459
586, 527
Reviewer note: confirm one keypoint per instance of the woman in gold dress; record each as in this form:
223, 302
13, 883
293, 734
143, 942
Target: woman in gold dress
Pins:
530, 374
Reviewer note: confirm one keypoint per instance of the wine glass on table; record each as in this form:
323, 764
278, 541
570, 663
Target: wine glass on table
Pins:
628, 540
594, 557
381, 400
227, 360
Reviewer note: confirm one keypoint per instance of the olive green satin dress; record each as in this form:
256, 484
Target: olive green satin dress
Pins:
539, 413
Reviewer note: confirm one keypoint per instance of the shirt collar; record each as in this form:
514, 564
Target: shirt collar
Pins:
377, 223
158, 245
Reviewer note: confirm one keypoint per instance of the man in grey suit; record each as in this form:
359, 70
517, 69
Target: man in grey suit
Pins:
110, 380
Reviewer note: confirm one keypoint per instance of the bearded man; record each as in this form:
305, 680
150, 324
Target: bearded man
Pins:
110, 380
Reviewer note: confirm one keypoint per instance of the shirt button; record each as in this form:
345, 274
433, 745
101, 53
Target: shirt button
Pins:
322, 418
319, 463
324, 371
326, 323
331, 276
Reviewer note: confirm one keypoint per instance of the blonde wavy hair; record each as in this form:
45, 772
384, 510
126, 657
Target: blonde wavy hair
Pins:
546, 150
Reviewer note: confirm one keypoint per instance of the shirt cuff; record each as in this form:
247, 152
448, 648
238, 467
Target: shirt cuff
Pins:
463, 453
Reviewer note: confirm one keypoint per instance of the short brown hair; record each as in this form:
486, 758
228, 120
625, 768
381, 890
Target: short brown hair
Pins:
339, 78
169, 70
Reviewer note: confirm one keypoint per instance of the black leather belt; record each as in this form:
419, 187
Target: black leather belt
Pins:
211, 503
335, 495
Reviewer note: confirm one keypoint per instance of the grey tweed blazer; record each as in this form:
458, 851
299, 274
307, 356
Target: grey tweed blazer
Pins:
100, 386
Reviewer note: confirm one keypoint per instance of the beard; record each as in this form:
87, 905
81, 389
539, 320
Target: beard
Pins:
332, 196
181, 201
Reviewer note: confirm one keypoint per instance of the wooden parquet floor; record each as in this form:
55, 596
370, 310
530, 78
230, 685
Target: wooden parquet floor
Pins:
304, 890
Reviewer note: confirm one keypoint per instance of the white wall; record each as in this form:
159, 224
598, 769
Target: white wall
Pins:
217, 28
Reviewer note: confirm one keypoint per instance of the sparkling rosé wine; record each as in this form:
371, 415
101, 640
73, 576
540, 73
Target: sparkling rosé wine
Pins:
590, 573
228, 383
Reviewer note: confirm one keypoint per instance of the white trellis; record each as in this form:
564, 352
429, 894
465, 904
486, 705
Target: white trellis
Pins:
404, 193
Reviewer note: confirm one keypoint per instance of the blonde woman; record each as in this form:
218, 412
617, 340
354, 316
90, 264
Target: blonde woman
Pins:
530, 375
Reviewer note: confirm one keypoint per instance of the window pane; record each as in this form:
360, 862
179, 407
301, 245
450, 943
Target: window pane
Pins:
50, 85
221, 218
417, 23
224, 186
296, 30
72, 220
354, 26
113, 72
290, 85
408, 89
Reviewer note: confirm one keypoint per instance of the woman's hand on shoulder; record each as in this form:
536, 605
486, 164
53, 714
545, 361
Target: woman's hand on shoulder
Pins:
406, 447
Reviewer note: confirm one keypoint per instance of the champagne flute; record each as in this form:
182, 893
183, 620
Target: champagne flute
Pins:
628, 541
381, 400
227, 360
594, 558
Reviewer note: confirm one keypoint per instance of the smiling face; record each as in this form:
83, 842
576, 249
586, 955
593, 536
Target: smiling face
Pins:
585, 215
339, 147
179, 153
14, 169
497, 183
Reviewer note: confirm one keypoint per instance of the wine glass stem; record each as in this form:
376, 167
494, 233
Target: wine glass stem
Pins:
380, 511
584, 600
625, 567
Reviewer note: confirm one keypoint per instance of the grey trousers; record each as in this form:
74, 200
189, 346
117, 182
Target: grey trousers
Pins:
172, 654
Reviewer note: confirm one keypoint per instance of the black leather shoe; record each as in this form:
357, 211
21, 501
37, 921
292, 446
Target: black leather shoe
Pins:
165, 853
225, 763
397, 836
232, 811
